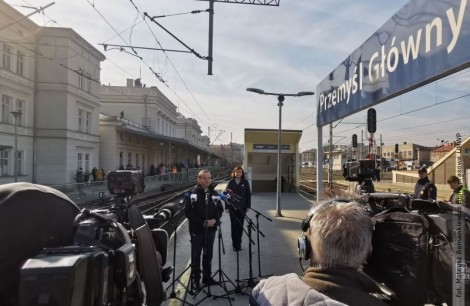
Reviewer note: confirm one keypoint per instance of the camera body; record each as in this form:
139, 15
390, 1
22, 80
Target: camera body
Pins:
415, 247
359, 170
102, 266
125, 182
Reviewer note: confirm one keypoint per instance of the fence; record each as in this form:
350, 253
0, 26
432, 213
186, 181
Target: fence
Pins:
90, 191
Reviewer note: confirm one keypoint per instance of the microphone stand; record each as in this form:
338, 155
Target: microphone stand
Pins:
251, 280
173, 294
259, 233
233, 208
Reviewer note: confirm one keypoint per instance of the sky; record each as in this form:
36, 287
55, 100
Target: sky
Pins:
282, 49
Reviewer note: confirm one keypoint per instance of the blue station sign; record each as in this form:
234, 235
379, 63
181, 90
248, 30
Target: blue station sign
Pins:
426, 40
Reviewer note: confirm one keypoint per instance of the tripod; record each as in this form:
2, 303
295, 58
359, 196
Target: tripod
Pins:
251, 280
235, 214
257, 234
223, 278
173, 294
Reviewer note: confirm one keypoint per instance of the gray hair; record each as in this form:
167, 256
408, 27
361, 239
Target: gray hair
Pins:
340, 234
203, 172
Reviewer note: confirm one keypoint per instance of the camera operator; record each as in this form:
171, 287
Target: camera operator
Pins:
204, 215
338, 239
424, 188
460, 194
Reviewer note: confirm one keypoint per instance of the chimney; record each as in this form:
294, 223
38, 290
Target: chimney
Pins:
130, 83
137, 83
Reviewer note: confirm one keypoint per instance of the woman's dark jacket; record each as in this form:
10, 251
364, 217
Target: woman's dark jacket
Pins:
243, 191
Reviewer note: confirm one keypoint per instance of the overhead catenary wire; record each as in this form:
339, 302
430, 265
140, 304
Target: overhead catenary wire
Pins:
156, 74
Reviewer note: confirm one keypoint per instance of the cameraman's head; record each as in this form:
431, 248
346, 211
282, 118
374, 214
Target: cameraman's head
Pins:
340, 235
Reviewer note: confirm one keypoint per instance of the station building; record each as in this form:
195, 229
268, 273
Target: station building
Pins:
55, 117
261, 159
140, 126
48, 101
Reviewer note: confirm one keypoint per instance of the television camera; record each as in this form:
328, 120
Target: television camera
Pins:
90, 257
362, 171
359, 170
417, 248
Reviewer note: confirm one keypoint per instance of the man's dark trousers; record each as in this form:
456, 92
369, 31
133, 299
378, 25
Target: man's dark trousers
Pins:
202, 243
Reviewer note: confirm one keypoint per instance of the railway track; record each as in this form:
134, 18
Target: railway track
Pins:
150, 203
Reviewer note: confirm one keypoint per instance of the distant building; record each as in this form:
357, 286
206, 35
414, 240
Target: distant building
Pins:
231, 153
418, 154
309, 157
440, 152
57, 97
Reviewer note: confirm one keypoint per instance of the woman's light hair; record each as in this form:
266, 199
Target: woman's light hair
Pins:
340, 234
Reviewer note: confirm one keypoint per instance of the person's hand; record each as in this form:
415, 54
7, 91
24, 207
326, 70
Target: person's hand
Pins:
211, 222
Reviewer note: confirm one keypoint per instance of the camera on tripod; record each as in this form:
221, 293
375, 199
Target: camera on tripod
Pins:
125, 182
359, 170
105, 256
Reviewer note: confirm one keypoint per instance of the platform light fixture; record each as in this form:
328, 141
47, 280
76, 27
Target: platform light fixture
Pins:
280, 98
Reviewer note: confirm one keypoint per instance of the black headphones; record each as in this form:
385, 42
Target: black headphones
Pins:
305, 249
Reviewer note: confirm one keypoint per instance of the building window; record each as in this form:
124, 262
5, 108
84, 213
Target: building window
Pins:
6, 108
129, 159
88, 122
137, 160
80, 161
87, 163
4, 162
6, 57
20, 63
19, 162
81, 113
20, 104
121, 157
88, 81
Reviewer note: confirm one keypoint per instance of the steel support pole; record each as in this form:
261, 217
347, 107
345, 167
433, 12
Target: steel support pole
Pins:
280, 98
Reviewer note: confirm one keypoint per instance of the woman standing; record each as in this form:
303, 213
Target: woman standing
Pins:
239, 206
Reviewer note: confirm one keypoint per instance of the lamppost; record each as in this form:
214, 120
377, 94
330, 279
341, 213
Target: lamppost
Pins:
17, 115
280, 98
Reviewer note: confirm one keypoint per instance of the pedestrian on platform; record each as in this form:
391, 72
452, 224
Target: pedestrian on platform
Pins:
203, 213
424, 188
239, 205
460, 194
93, 173
80, 179
338, 239
100, 174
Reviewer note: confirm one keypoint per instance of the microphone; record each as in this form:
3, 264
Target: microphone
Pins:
233, 194
166, 212
187, 195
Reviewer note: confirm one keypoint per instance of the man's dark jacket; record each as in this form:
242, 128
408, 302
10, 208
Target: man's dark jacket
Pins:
198, 211
425, 189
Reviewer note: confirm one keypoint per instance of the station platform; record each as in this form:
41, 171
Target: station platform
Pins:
277, 251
